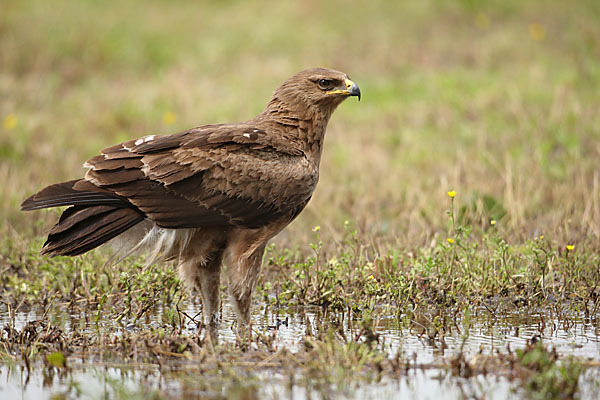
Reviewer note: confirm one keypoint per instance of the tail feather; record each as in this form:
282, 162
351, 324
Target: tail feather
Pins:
84, 230
63, 194
95, 216
74, 215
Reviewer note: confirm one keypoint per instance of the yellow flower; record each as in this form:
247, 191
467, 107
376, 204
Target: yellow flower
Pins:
541, 237
9, 122
450, 240
537, 31
493, 222
452, 193
371, 278
482, 21
570, 247
169, 118
316, 228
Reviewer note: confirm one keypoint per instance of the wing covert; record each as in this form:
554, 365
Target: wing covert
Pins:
207, 176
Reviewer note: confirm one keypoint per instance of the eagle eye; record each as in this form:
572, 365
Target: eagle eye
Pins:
325, 84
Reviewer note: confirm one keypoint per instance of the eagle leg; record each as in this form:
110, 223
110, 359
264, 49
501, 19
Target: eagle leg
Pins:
243, 275
205, 273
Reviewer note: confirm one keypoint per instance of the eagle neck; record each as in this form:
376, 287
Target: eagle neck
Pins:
304, 127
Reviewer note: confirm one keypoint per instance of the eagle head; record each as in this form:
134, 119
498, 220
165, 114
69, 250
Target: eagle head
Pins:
316, 87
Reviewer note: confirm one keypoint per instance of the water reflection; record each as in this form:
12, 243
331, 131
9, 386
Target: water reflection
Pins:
484, 333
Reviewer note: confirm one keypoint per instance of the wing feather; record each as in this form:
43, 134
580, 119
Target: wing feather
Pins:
211, 175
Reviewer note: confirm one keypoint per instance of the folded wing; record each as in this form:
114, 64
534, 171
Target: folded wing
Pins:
208, 176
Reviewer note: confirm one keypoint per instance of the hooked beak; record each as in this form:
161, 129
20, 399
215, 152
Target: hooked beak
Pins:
352, 89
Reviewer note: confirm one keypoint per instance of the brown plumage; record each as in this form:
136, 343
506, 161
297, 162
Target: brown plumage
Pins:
212, 194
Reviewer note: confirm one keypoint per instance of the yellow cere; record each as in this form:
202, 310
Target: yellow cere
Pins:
349, 85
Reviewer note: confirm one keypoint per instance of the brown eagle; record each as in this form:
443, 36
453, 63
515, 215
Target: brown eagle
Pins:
210, 195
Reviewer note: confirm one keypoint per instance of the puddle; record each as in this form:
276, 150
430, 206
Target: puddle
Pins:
96, 383
579, 338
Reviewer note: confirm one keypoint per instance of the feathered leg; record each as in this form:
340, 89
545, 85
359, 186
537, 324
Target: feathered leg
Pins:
243, 275
210, 287
205, 273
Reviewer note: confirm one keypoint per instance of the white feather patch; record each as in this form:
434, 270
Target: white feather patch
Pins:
144, 139
160, 244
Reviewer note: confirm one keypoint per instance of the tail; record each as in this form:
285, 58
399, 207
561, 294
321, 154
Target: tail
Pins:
96, 215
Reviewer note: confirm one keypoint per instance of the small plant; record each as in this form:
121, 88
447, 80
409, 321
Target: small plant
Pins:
544, 376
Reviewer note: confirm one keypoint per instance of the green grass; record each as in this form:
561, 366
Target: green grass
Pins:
496, 100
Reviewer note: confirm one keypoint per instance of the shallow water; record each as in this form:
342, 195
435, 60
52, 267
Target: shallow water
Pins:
485, 334
100, 383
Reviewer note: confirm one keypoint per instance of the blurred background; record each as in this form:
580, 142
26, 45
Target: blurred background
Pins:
496, 100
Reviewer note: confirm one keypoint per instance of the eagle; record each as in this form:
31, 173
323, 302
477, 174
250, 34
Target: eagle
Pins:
205, 197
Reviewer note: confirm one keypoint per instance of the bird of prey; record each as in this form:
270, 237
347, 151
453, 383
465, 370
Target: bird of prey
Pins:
207, 196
